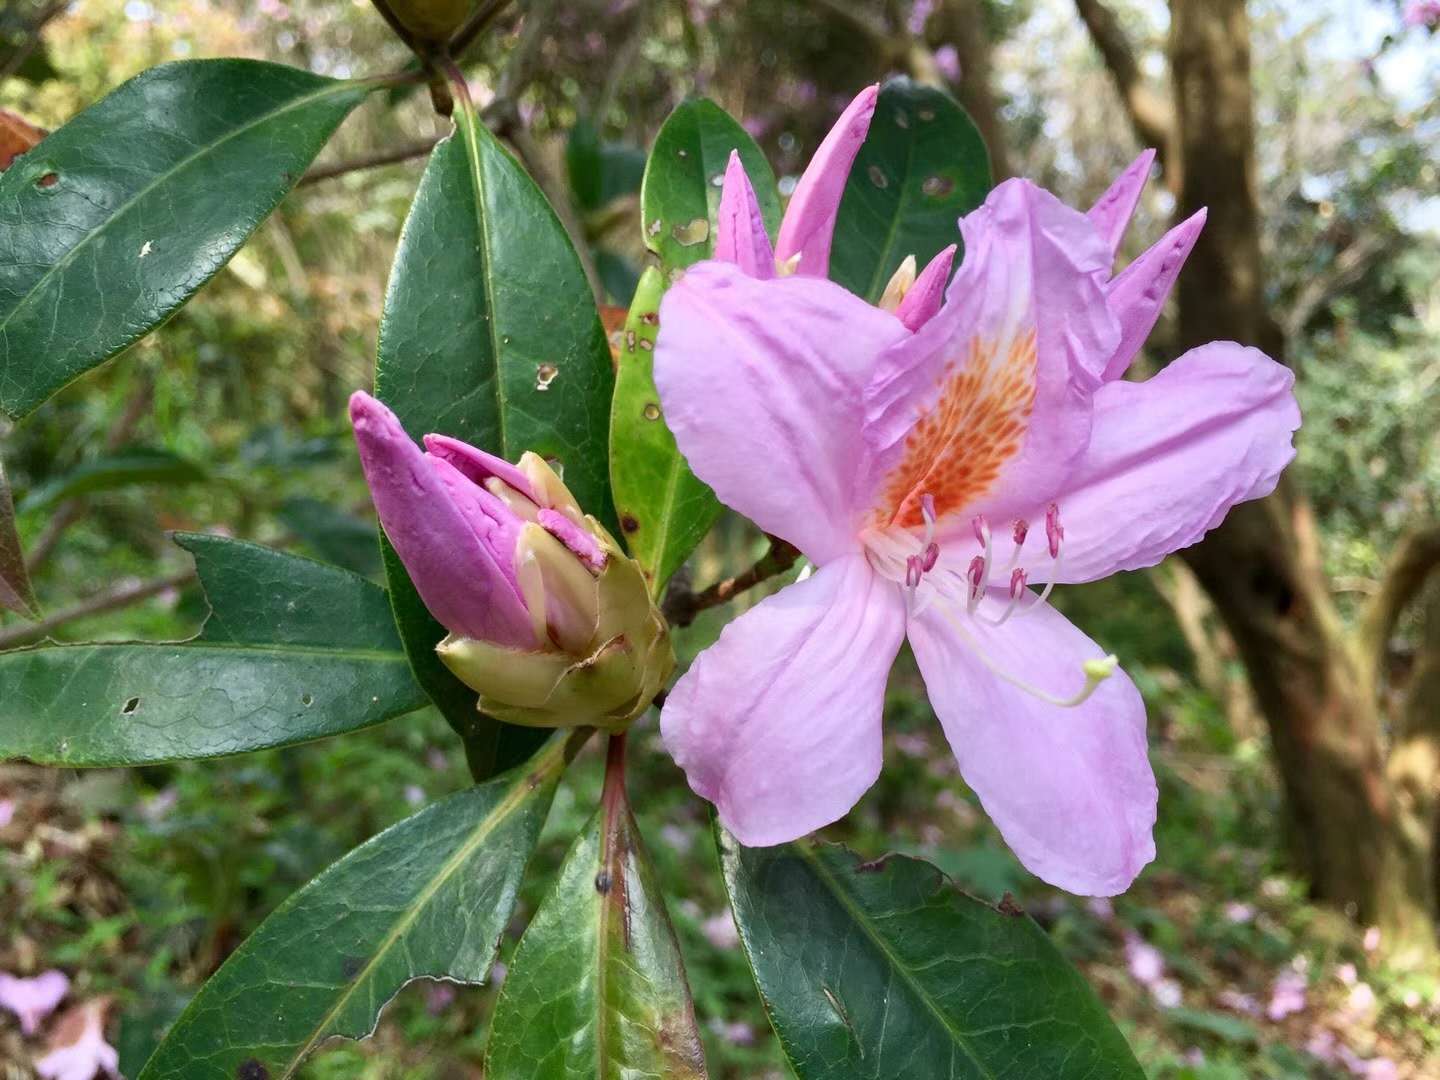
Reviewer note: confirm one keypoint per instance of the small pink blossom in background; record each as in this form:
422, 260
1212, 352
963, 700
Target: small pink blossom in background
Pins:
1237, 912
78, 1050
947, 60
720, 931
158, 806
1422, 13
414, 794
439, 997
498, 973
7, 812
1371, 941
1194, 1057
1361, 998
1238, 1002
1167, 993
1100, 907
736, 1033
436, 759
920, 13
913, 745
1347, 974
31, 1000
676, 838
1147, 967
1287, 995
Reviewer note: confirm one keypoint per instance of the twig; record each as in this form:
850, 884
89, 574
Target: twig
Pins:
98, 604
16, 60
1151, 115
681, 608
370, 161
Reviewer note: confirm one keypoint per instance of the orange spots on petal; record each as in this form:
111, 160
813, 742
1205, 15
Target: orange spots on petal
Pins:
960, 444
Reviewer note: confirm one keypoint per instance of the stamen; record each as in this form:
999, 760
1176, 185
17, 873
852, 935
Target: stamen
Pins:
1020, 532
977, 575
929, 557
1054, 531
913, 571
1017, 584
898, 285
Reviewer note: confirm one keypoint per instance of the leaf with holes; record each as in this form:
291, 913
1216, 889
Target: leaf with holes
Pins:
293, 650
125, 468
596, 988
15, 592
490, 334
680, 194
664, 509
428, 897
922, 167
887, 969
117, 218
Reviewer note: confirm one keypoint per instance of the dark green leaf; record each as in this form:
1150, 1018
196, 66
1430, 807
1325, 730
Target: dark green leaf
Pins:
664, 510
293, 650
490, 746
681, 191
334, 535
922, 167
1227, 1028
125, 468
490, 334
428, 897
596, 988
887, 969
15, 592
117, 218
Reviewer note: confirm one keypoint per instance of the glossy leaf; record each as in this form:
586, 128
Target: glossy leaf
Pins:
600, 171
293, 650
428, 897
680, 195
15, 592
490, 334
887, 969
596, 988
922, 167
125, 468
664, 510
157, 185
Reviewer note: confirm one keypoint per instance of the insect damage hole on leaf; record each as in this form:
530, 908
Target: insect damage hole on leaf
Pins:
130, 706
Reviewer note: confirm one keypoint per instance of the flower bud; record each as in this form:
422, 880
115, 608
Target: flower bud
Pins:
550, 622
431, 21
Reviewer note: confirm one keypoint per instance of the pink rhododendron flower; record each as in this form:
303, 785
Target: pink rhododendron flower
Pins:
7, 812
78, 1048
31, 1000
934, 463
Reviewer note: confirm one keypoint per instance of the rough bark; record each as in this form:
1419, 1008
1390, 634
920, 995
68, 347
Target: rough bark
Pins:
962, 23
1151, 115
1262, 566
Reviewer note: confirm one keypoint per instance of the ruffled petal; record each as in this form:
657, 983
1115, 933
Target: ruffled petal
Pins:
454, 572
740, 236
1171, 455
778, 722
476, 463
1138, 293
761, 384
1070, 789
987, 406
1111, 214
809, 222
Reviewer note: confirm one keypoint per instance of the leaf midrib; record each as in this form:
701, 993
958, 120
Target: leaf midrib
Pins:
520, 788
861, 919
184, 163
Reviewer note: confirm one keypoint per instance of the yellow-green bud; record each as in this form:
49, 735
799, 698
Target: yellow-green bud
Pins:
431, 21
611, 653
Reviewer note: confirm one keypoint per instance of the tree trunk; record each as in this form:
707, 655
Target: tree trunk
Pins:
1262, 566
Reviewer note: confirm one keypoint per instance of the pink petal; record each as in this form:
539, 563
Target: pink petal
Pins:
31, 1000
1069, 788
809, 222
778, 722
1171, 455
1112, 213
476, 464
1025, 310
454, 572
761, 384
740, 229
494, 524
80, 1051
923, 300
1137, 295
